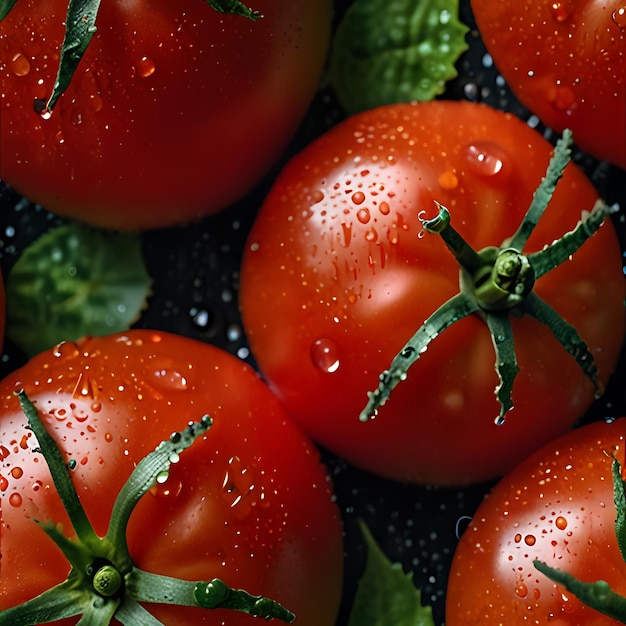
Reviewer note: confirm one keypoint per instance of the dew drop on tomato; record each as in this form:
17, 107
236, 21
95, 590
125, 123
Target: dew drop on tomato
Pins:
560, 522
169, 380
4, 483
560, 12
486, 159
562, 98
20, 65
145, 67
325, 355
363, 215
619, 17
66, 349
448, 180
15, 500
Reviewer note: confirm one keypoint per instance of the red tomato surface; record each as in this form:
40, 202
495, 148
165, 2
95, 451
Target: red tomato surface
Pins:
557, 506
175, 112
249, 502
335, 279
566, 62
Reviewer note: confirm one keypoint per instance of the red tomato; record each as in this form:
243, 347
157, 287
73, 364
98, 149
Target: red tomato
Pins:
335, 280
249, 502
557, 506
175, 112
565, 62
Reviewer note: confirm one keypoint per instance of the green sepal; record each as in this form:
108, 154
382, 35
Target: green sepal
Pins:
559, 251
545, 190
597, 595
74, 281
450, 312
5, 7
59, 472
566, 335
388, 51
506, 360
54, 604
80, 27
152, 467
386, 596
235, 7
619, 497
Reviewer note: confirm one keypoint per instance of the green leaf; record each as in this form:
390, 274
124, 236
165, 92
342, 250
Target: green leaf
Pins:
386, 595
388, 51
75, 281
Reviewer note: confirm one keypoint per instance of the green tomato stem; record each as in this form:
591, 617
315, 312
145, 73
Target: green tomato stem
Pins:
103, 582
495, 282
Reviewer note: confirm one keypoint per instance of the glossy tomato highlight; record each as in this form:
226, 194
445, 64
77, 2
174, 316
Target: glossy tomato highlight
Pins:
337, 277
249, 502
175, 111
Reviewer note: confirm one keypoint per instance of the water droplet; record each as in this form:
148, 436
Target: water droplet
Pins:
84, 387
448, 180
317, 196
167, 489
325, 355
384, 208
162, 477
170, 379
363, 215
358, 197
485, 158
4, 483
108, 437
346, 230
17, 472
530, 540
560, 11
371, 235
500, 420
619, 17
67, 349
37, 485
562, 99
145, 67
15, 499
96, 407
20, 65
4, 452
238, 486
560, 522
521, 590
39, 105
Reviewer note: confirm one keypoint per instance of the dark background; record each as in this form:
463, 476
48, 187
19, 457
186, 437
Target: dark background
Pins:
195, 272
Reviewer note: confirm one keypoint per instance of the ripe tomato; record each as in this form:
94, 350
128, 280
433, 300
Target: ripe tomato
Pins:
249, 502
335, 279
565, 62
175, 111
557, 506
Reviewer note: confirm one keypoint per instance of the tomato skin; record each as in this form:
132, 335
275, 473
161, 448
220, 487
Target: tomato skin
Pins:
175, 112
335, 280
557, 506
249, 503
565, 62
